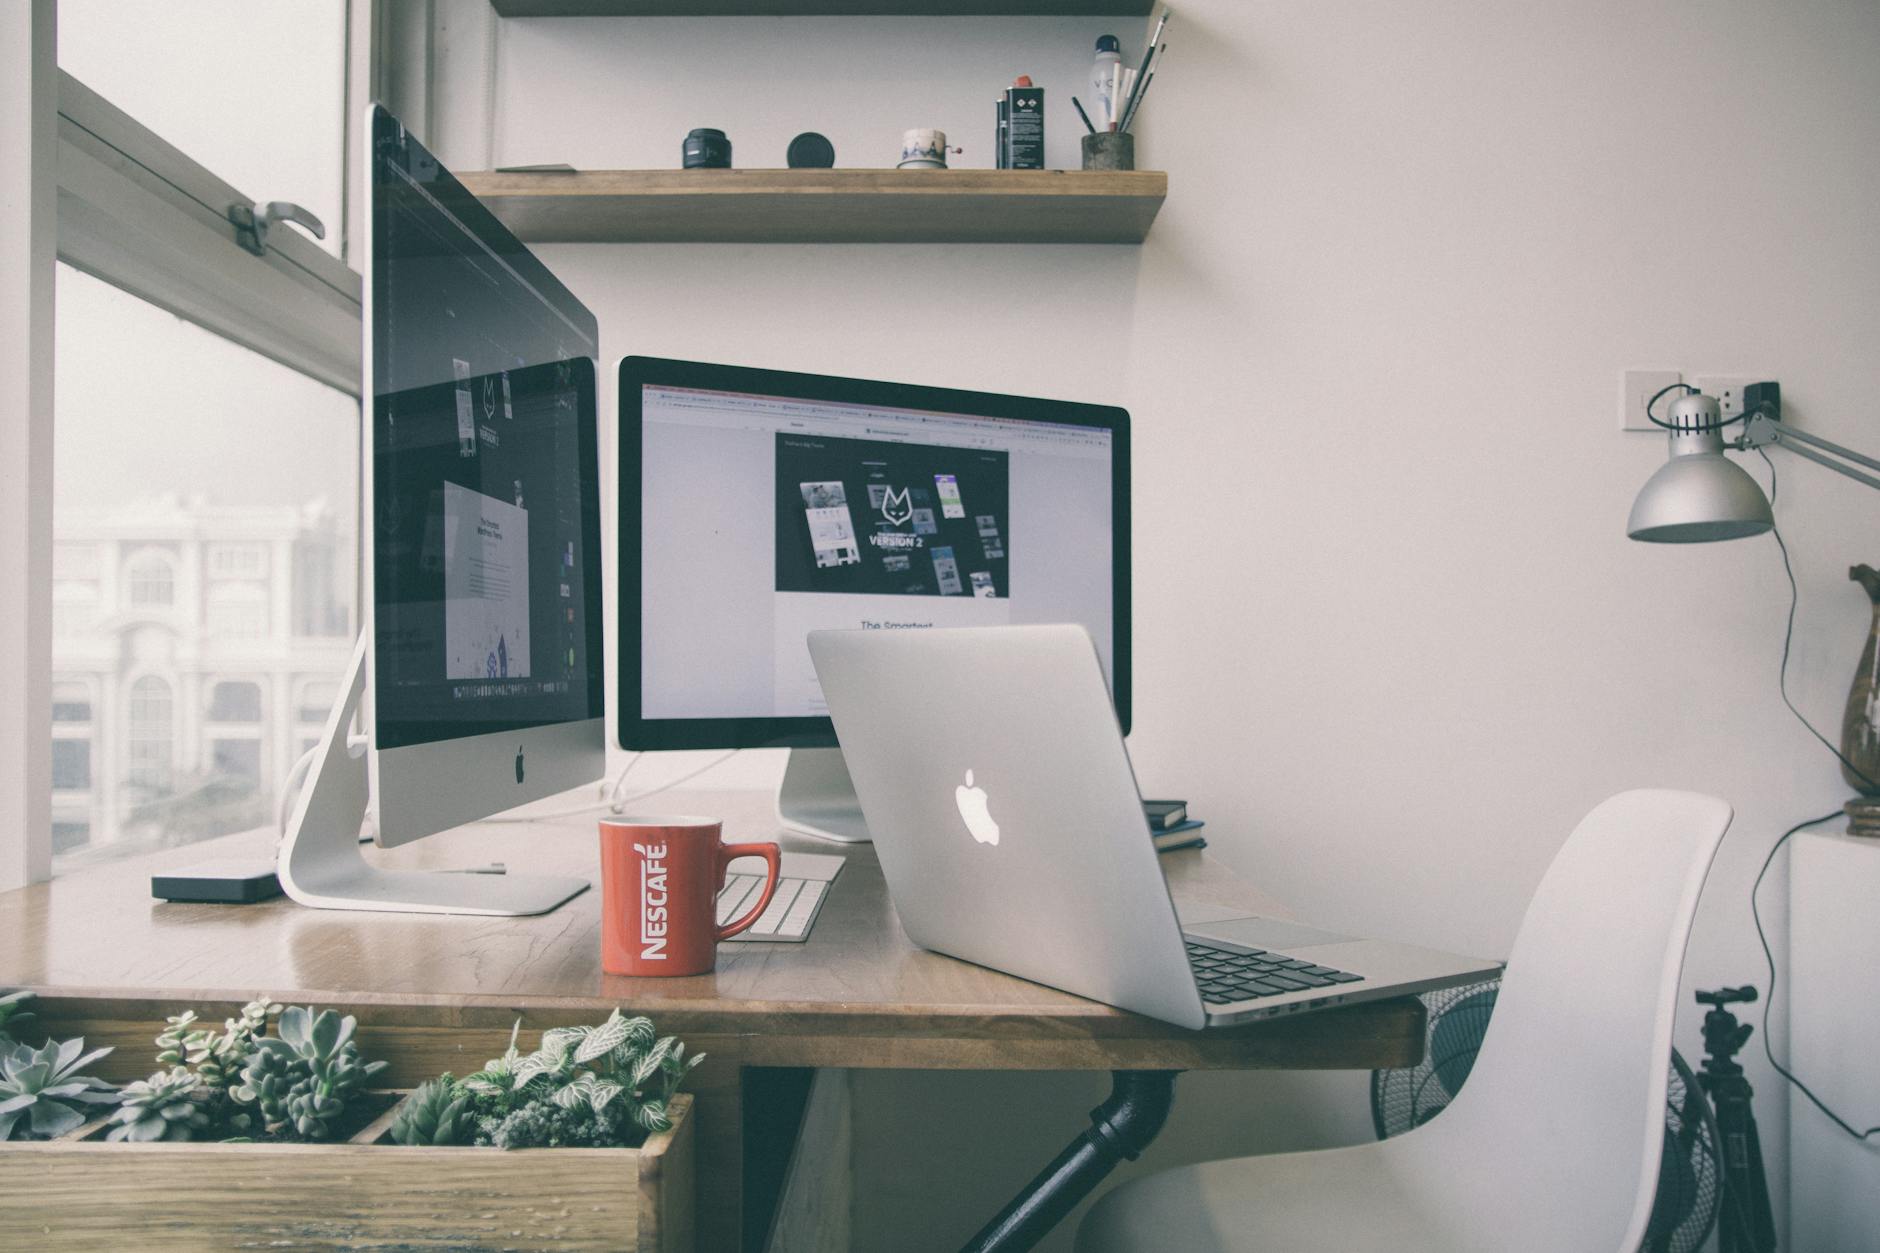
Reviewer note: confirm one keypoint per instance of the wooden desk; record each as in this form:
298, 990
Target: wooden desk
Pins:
434, 993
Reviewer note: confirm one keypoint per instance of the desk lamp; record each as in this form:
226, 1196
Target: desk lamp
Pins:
1701, 495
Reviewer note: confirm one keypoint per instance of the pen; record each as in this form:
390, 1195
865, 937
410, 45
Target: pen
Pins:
1083, 115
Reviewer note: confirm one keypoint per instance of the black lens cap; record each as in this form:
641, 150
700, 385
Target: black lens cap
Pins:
810, 151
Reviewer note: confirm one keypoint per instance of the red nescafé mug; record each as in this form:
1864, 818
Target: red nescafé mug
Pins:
660, 879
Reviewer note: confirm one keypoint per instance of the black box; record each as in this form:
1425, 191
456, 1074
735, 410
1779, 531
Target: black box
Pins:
1025, 128
218, 882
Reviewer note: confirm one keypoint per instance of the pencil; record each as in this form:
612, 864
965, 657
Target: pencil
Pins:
1084, 116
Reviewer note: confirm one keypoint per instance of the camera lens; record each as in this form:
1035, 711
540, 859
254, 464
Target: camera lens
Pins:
706, 149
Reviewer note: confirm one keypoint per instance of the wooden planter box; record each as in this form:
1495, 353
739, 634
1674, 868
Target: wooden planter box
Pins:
81, 1192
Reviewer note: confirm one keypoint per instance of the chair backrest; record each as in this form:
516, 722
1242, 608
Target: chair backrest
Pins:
1560, 1128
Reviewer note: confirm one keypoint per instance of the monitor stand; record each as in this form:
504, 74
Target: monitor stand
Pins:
321, 865
817, 798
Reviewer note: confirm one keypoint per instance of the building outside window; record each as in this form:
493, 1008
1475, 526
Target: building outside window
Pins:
225, 688
238, 611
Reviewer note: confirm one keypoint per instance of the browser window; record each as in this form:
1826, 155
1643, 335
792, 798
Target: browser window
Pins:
766, 517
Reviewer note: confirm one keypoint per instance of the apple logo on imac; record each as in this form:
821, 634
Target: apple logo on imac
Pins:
518, 765
972, 804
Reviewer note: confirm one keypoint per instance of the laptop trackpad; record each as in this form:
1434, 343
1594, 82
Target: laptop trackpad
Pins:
1267, 933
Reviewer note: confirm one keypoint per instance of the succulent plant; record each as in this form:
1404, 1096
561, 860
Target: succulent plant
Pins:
42, 1093
217, 1056
302, 1080
439, 1112
13, 1012
166, 1106
266, 1079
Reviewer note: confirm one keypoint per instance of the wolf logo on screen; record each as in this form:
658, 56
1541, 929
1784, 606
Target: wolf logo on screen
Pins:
896, 508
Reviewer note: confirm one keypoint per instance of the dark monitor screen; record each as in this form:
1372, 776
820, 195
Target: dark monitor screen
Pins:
758, 505
484, 478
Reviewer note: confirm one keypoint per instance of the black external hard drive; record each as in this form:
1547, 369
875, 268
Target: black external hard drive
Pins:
233, 882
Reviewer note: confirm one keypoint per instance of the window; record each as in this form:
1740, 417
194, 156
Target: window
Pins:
71, 702
205, 417
180, 68
238, 561
152, 581
71, 765
152, 737
235, 702
250, 447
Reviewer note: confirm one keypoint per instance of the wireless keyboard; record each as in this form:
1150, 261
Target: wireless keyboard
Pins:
801, 890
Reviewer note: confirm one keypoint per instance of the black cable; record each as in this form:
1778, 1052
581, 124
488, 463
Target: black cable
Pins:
1788, 639
1755, 911
1770, 1000
1655, 420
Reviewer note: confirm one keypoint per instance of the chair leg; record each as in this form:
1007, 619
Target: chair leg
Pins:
1121, 1128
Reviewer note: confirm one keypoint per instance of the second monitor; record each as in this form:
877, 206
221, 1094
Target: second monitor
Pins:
758, 505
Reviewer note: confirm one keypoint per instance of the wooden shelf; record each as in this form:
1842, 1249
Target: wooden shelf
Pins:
826, 206
822, 8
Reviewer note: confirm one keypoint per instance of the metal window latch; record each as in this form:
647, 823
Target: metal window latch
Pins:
252, 222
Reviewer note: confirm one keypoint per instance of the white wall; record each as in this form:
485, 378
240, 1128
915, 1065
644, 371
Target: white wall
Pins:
1391, 638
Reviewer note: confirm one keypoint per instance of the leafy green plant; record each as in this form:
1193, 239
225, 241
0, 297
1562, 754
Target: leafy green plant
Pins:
167, 1106
438, 1112
13, 1012
605, 1085
302, 1081
42, 1093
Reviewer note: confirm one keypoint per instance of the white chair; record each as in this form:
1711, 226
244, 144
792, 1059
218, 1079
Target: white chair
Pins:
1553, 1144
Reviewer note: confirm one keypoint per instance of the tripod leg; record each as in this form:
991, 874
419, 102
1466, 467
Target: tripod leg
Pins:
1761, 1222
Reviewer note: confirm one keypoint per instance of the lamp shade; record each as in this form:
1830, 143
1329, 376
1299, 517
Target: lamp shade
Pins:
1697, 497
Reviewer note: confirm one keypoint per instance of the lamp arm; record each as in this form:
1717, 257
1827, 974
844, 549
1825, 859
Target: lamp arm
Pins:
1763, 429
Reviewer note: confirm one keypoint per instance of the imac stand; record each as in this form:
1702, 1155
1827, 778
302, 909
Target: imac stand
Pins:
321, 866
817, 797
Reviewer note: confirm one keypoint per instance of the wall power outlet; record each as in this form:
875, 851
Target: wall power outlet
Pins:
1636, 388
1728, 389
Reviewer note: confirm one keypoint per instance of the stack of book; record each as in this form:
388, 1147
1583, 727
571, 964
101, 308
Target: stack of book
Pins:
1171, 827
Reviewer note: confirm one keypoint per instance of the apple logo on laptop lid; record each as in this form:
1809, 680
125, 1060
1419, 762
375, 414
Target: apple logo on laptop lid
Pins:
972, 805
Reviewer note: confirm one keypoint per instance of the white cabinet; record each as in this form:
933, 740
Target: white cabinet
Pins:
1833, 998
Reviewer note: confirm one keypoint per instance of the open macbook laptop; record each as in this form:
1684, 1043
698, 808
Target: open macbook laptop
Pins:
993, 775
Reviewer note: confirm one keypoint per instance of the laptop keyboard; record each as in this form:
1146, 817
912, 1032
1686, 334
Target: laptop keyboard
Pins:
1226, 973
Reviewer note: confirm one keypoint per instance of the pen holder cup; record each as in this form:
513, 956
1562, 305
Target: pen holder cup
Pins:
1110, 150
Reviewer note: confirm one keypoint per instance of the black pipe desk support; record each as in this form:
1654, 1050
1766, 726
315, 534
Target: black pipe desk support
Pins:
1120, 1129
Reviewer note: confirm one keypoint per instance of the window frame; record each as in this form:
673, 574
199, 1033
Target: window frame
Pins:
110, 197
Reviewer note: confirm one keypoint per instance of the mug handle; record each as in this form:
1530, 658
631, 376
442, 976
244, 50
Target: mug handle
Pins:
773, 858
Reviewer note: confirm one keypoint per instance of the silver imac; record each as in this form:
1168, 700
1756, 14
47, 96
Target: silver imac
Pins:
757, 506
477, 685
